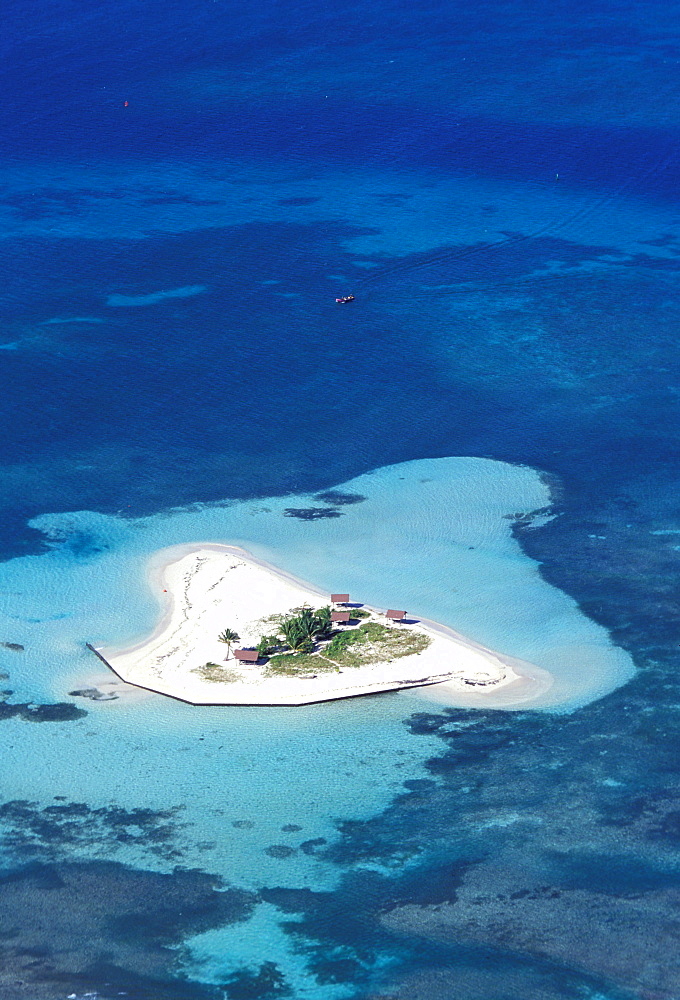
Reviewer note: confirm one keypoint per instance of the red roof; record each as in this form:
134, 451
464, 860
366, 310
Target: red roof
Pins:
339, 616
249, 655
339, 598
394, 614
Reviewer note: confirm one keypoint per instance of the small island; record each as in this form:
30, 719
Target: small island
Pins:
236, 631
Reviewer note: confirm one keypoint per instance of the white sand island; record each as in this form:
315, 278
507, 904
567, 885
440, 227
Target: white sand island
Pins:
208, 588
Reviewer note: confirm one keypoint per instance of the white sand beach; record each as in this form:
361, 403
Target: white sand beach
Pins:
205, 588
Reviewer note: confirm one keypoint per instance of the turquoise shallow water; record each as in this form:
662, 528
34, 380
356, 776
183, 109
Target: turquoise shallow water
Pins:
185, 189
434, 536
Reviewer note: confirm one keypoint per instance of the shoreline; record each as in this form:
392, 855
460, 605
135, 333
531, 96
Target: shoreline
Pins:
452, 670
161, 559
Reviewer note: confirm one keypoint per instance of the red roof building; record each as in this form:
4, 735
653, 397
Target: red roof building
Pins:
247, 655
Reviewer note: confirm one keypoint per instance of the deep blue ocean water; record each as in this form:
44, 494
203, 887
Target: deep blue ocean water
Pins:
497, 185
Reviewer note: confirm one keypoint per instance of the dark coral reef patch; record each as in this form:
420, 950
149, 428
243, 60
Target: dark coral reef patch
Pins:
339, 498
311, 513
32, 831
107, 930
61, 711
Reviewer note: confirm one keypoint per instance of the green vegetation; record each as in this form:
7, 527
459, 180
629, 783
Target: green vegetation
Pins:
374, 643
341, 640
267, 645
217, 672
229, 636
291, 646
371, 642
294, 664
300, 631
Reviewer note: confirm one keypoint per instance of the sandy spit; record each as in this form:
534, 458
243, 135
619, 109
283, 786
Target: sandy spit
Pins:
204, 588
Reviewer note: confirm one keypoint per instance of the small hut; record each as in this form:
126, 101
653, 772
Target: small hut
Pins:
247, 655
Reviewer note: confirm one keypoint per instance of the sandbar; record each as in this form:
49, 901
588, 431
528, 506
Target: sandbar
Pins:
203, 588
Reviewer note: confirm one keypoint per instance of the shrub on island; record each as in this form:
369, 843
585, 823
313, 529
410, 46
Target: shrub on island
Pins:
217, 673
298, 664
302, 630
268, 644
373, 642
341, 640
305, 644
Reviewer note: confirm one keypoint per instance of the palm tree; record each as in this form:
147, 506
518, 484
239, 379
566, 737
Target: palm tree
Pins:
229, 636
301, 630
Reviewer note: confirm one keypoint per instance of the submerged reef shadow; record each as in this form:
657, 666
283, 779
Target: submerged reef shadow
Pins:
339, 498
108, 930
506, 870
61, 711
311, 513
36, 832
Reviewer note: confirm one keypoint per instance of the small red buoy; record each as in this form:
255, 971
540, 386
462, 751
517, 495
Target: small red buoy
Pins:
126, 104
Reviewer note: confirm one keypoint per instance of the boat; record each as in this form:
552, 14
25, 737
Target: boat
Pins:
345, 298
